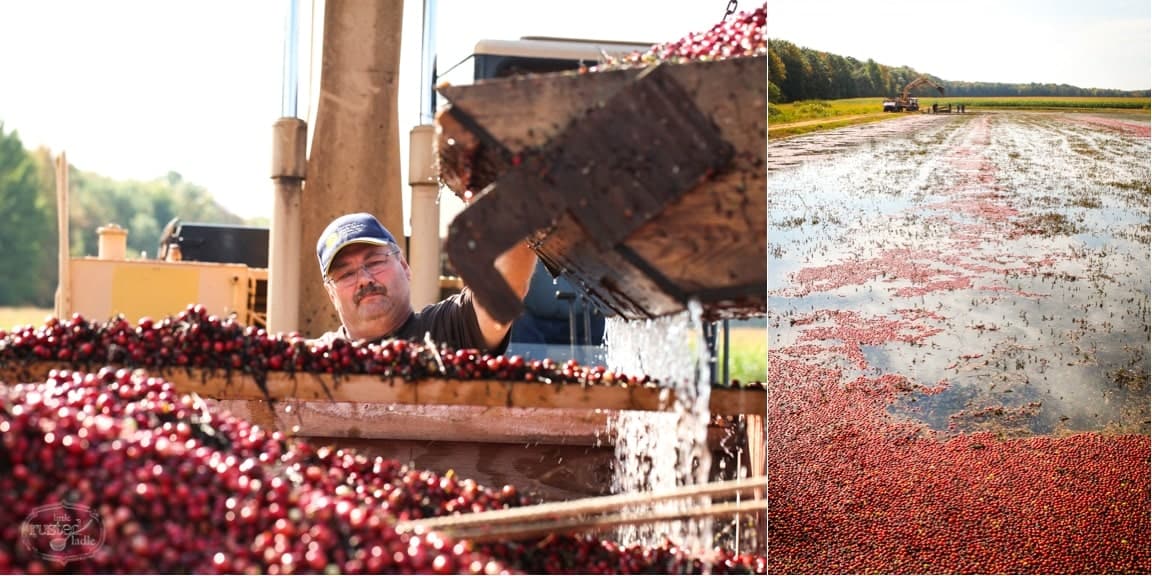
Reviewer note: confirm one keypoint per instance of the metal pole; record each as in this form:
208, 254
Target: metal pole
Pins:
587, 307
424, 253
289, 163
64, 253
710, 342
570, 297
727, 358
428, 65
290, 88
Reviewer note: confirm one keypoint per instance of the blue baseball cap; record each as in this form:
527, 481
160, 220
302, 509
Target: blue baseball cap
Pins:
360, 228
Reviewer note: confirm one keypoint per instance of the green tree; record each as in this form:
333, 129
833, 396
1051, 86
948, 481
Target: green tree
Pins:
776, 74
794, 84
142, 207
48, 269
21, 222
29, 231
819, 81
877, 77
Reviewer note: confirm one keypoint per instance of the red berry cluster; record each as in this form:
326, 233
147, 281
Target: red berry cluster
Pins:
743, 34
175, 487
585, 554
196, 339
855, 490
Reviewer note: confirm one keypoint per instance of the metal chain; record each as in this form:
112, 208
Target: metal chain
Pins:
730, 10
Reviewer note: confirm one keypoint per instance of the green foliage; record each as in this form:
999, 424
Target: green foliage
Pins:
816, 109
21, 221
29, 238
1054, 103
748, 355
813, 109
144, 208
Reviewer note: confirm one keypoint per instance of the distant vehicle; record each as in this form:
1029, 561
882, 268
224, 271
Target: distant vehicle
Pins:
905, 102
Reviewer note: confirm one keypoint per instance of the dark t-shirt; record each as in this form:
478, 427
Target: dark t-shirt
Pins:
451, 322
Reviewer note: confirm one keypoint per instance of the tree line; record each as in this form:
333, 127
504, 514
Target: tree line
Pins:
29, 238
796, 73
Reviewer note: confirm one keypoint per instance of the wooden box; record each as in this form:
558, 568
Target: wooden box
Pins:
646, 187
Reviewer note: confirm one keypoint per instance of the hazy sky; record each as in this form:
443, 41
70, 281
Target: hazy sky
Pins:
1085, 43
134, 88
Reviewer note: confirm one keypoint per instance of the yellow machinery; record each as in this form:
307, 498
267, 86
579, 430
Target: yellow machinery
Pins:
138, 288
109, 284
905, 102
226, 280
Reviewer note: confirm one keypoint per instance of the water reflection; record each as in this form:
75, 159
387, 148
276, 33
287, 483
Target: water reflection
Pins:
1024, 235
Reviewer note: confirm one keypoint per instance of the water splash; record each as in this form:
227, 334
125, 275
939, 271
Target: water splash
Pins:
664, 450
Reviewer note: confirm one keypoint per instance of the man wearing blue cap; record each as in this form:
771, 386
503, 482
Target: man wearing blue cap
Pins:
368, 281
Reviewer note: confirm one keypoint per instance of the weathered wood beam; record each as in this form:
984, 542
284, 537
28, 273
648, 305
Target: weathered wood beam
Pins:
354, 165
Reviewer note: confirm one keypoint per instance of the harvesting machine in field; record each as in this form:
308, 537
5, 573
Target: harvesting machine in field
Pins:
905, 102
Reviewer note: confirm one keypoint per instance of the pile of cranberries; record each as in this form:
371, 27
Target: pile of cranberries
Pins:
196, 339
743, 34
114, 471
857, 491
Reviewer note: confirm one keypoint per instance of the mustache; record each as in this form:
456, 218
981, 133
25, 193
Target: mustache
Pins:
369, 290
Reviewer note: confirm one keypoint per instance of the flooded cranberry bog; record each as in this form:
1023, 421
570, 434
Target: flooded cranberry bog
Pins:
958, 312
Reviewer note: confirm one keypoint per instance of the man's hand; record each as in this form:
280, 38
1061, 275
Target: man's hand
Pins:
516, 266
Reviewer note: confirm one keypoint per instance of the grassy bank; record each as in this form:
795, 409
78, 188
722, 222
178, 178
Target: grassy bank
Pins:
748, 350
822, 109
1045, 103
797, 118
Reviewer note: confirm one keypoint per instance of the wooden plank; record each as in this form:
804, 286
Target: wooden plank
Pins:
366, 421
550, 454
612, 170
527, 112
63, 298
597, 512
544, 473
599, 523
522, 426
619, 165
603, 275
734, 401
353, 164
757, 445
728, 215
532, 110
709, 244
384, 391
258, 412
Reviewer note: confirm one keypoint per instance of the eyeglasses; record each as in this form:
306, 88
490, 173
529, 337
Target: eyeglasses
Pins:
373, 265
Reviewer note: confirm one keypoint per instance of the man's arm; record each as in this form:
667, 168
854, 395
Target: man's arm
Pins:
516, 266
